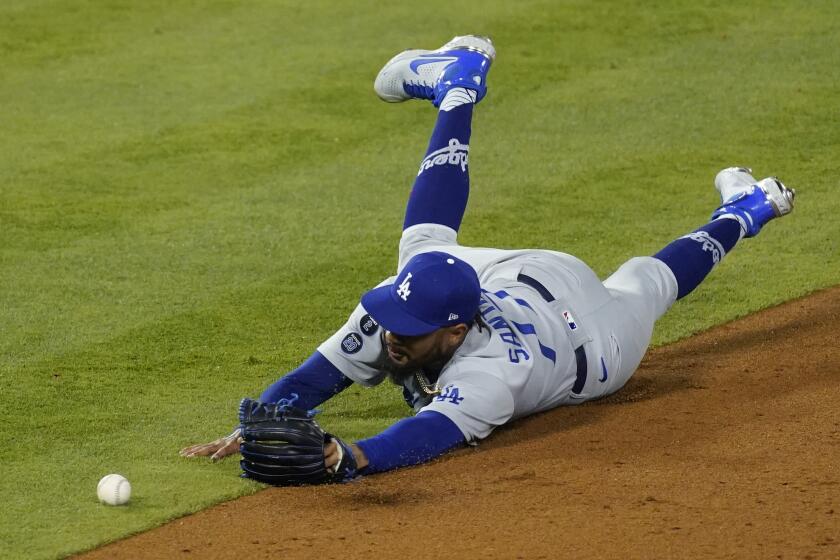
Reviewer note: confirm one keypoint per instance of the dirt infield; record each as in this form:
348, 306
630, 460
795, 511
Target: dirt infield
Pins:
725, 445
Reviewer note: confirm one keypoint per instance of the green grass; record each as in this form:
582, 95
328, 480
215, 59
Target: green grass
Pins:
193, 195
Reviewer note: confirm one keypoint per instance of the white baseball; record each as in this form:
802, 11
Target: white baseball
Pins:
113, 490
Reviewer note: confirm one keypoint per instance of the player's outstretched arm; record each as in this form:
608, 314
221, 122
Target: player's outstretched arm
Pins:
314, 382
216, 449
334, 453
283, 445
410, 441
311, 384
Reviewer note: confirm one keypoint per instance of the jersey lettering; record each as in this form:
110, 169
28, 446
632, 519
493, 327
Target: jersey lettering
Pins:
492, 316
450, 393
510, 338
514, 355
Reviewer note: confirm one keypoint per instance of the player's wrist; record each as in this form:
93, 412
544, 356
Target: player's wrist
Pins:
361, 458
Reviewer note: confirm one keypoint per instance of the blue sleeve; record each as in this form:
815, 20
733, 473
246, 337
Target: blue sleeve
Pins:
411, 441
315, 381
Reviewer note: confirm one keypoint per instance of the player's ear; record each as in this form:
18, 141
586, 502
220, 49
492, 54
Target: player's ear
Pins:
458, 331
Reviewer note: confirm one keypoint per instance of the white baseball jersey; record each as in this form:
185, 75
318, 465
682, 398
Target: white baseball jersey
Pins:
523, 360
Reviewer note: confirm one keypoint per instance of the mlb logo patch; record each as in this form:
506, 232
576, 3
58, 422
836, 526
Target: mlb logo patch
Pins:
570, 320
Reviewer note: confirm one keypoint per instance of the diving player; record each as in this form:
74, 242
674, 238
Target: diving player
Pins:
477, 337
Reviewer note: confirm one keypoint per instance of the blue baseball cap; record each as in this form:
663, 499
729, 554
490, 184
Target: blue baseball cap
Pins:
433, 290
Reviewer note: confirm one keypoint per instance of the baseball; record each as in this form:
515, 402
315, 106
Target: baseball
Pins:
114, 490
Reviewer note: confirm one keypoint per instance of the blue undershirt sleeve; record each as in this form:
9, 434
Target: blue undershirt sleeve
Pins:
314, 381
411, 441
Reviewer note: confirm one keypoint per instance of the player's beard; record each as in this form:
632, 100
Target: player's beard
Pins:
398, 371
431, 363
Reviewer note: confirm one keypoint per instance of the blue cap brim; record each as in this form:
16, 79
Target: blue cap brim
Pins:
380, 304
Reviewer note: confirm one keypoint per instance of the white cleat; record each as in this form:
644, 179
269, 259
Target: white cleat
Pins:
428, 74
732, 181
753, 203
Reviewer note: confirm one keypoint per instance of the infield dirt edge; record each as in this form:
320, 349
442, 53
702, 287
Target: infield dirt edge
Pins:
720, 446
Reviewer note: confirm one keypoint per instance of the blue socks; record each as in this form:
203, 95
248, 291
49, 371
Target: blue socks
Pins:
692, 257
442, 185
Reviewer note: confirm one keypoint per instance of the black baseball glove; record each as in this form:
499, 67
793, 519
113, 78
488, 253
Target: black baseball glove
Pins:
284, 446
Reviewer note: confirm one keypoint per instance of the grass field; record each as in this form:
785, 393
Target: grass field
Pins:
193, 195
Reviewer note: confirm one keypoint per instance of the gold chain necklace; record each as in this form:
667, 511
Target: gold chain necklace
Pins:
424, 384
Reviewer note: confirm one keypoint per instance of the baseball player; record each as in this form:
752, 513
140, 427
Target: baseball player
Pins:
478, 337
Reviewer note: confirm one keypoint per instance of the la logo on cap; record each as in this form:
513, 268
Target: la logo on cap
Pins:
433, 290
404, 290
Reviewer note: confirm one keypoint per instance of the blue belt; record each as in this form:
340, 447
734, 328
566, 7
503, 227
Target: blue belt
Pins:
580, 353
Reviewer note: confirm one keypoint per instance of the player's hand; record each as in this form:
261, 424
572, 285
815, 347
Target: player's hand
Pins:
332, 455
217, 449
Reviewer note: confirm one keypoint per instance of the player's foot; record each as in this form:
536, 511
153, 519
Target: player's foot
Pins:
421, 74
753, 203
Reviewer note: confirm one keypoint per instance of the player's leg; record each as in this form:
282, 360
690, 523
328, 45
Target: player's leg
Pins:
441, 188
454, 79
747, 205
644, 288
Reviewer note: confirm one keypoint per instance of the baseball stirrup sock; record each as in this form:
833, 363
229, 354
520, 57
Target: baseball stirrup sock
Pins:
442, 185
456, 97
692, 257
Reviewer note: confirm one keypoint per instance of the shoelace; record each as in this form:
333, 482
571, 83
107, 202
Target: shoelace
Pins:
415, 89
